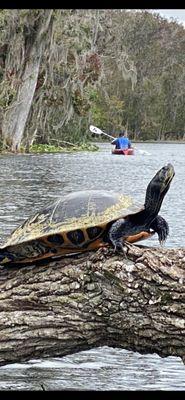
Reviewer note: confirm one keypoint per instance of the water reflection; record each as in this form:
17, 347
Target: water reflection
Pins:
29, 182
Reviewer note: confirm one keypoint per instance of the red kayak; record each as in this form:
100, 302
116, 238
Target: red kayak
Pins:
127, 152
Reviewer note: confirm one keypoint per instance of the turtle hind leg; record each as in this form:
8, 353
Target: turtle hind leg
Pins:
6, 257
160, 226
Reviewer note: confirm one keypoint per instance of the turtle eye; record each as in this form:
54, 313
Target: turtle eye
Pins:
76, 237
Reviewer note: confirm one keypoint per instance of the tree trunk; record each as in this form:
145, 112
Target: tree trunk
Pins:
17, 114
101, 298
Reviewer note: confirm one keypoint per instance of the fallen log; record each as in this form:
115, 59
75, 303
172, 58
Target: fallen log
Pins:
136, 302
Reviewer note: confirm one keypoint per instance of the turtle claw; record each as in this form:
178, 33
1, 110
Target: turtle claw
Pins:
119, 248
162, 235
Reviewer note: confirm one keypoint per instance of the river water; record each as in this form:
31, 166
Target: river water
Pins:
28, 183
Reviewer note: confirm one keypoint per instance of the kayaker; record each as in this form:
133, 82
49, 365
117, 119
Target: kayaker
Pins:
122, 142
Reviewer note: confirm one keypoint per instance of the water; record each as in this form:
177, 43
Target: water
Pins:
29, 182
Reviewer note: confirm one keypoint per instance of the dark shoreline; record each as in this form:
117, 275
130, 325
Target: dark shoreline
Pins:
161, 141
153, 141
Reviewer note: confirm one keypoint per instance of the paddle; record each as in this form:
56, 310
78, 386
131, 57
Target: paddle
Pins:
98, 131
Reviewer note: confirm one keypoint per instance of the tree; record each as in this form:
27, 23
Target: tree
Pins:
96, 299
28, 35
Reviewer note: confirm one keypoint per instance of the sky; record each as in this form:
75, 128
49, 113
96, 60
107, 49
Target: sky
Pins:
178, 14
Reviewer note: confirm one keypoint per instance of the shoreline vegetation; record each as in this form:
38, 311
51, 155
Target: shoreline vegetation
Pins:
48, 148
71, 148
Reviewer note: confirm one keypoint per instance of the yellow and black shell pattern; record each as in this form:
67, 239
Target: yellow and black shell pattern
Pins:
76, 222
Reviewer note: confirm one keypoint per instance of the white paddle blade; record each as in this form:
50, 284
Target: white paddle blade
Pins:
94, 129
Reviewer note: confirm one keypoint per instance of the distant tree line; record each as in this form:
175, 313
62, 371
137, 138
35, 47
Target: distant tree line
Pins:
62, 70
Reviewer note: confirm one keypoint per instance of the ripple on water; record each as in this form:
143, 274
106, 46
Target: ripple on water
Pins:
98, 369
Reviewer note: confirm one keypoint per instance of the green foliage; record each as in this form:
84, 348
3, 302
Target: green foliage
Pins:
109, 113
44, 148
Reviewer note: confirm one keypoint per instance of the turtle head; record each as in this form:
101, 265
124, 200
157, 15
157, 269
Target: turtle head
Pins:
157, 188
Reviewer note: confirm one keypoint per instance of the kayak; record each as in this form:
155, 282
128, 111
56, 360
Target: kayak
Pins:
126, 152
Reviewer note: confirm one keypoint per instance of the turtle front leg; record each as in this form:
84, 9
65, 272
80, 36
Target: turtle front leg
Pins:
117, 232
160, 226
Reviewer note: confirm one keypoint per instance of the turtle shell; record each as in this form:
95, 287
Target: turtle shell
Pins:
74, 223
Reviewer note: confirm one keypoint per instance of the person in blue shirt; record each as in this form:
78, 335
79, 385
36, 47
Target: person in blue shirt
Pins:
122, 142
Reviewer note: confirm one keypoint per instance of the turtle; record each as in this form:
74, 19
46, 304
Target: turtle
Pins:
88, 219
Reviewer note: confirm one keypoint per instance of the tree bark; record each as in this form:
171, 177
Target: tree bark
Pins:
136, 302
15, 118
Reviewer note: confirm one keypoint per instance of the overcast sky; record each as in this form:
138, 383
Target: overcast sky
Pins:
178, 14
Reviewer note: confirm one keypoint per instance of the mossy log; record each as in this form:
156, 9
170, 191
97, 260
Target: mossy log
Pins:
135, 302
